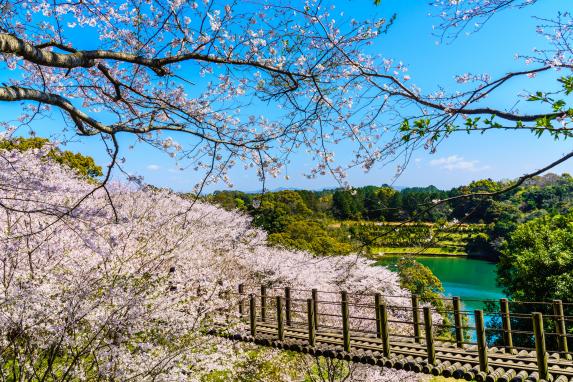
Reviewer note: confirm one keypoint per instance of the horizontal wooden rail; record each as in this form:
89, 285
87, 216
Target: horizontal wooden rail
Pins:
365, 328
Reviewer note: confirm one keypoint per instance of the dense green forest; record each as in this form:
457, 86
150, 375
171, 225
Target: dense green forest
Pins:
339, 221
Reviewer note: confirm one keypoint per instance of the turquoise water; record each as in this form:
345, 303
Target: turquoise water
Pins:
469, 279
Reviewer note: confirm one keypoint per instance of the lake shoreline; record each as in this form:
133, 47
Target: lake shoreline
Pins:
417, 254
471, 279
477, 256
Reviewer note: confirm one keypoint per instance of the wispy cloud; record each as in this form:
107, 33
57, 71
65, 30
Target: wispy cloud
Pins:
153, 167
457, 163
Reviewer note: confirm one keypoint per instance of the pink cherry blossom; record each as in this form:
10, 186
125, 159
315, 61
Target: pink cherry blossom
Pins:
129, 279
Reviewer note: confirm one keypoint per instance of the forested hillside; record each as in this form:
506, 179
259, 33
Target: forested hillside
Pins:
340, 221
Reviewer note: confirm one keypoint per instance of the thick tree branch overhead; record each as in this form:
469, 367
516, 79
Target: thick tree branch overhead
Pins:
86, 59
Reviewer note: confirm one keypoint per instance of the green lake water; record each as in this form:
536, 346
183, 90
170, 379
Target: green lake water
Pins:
470, 279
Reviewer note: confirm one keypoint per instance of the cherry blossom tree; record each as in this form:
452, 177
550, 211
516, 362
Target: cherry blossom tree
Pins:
93, 293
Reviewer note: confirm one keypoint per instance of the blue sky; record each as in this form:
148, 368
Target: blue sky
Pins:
459, 159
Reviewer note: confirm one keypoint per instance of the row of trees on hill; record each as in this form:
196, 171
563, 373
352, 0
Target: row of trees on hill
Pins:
547, 194
276, 212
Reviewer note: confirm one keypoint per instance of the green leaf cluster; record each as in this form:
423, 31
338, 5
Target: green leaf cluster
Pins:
420, 280
537, 261
82, 164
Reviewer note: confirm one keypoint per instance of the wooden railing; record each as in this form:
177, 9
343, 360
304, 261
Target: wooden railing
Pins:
508, 340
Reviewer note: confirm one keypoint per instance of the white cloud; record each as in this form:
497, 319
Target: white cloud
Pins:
456, 162
153, 167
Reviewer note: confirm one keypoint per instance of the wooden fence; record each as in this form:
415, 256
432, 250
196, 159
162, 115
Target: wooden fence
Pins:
505, 341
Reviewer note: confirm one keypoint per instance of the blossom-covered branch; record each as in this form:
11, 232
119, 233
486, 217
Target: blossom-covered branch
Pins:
188, 76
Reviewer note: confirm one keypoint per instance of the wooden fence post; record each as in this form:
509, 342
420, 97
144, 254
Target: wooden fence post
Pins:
560, 327
506, 323
458, 322
280, 322
540, 349
241, 300
263, 303
377, 299
253, 314
416, 318
481, 341
345, 321
429, 336
384, 333
310, 312
315, 307
287, 306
